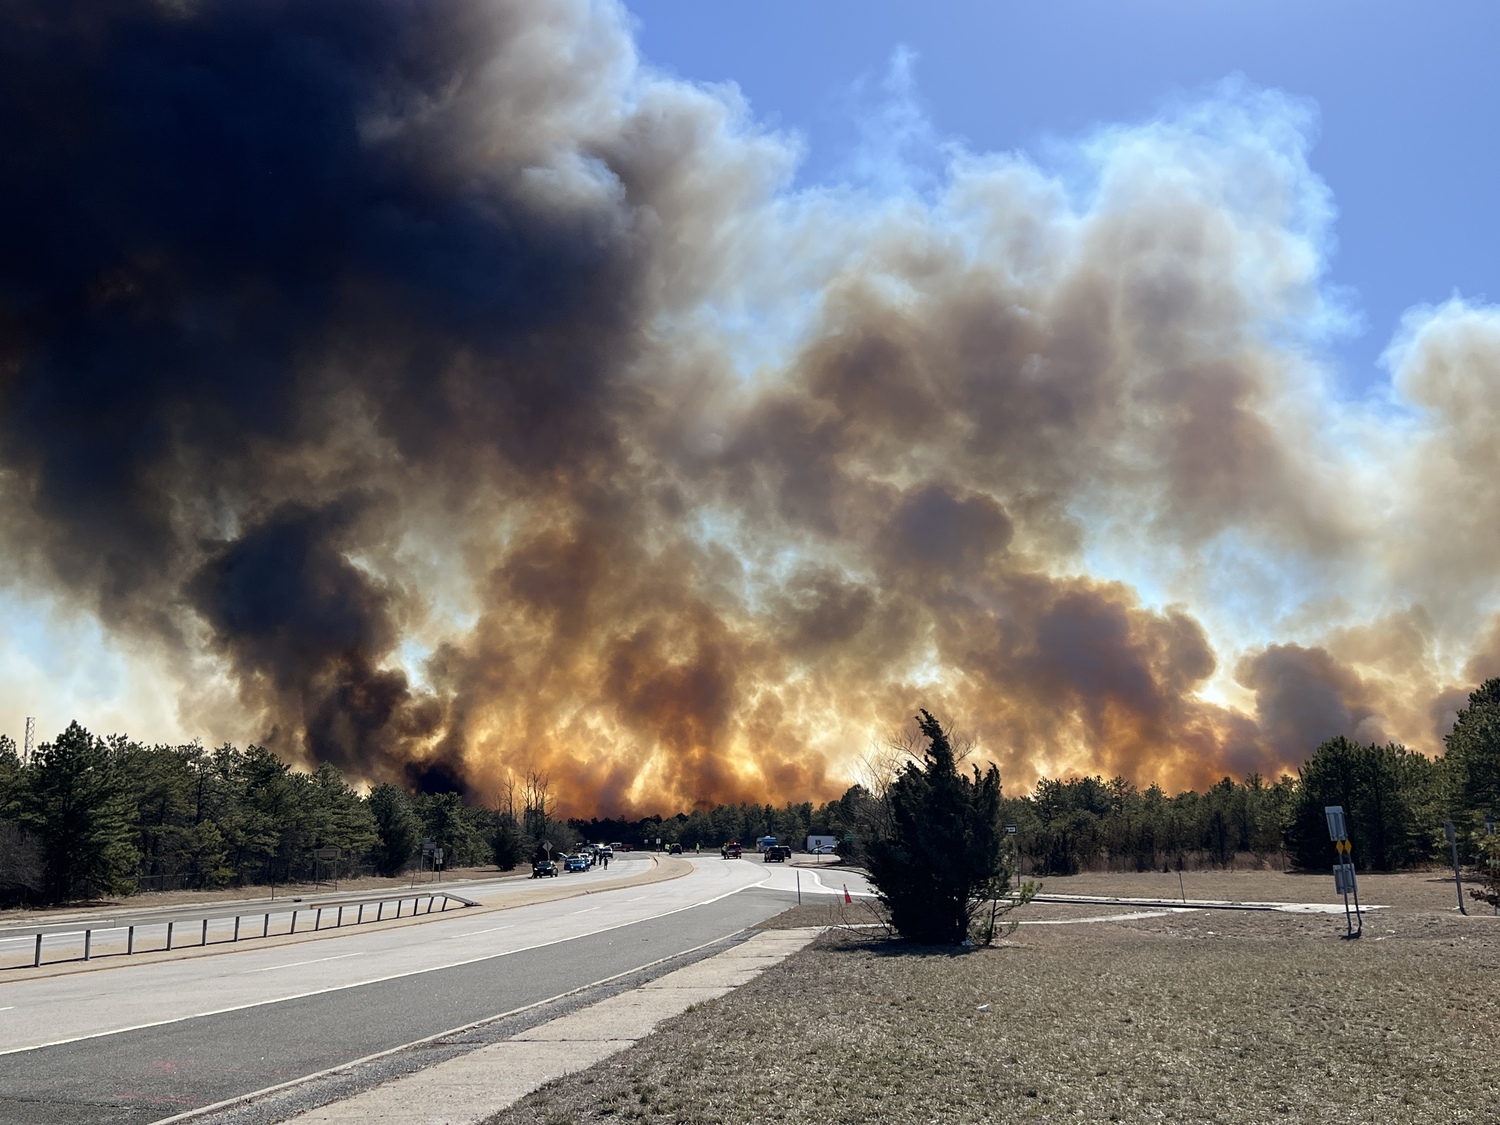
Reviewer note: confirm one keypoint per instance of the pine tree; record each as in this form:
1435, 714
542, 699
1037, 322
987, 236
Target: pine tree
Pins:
944, 866
1473, 763
1387, 794
397, 827
78, 807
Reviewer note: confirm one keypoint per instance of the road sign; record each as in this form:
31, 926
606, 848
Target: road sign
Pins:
326, 853
1343, 871
429, 847
1449, 831
1489, 826
1010, 829
1336, 828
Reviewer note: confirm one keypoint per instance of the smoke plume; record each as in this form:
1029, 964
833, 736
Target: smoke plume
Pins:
476, 399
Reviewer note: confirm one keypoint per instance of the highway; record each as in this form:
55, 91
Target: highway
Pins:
140, 1041
112, 928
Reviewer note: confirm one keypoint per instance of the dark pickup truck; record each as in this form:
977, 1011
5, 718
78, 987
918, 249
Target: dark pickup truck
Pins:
778, 853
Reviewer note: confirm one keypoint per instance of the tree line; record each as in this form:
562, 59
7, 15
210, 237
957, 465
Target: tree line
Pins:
89, 816
1395, 800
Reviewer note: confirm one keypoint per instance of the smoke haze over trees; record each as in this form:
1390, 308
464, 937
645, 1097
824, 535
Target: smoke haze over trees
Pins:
432, 390
90, 816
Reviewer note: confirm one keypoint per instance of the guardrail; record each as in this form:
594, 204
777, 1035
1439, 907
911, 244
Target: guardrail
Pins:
208, 928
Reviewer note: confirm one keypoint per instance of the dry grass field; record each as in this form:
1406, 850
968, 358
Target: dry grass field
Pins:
1189, 1017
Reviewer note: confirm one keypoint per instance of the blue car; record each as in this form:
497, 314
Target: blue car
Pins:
576, 863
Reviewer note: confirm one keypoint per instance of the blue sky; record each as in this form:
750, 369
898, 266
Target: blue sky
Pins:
1406, 97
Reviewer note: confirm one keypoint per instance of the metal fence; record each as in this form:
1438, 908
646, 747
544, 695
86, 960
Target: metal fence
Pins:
213, 928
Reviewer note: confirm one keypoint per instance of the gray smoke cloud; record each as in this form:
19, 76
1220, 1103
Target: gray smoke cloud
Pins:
476, 398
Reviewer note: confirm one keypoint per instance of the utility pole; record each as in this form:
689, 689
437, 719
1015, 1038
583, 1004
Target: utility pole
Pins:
30, 743
1458, 879
1489, 830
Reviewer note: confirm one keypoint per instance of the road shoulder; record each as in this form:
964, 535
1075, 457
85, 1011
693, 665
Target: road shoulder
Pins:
476, 1084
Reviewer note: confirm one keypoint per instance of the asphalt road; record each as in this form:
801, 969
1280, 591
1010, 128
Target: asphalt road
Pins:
139, 1042
64, 933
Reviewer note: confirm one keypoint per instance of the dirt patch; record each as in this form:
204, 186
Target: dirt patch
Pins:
1202, 1016
862, 914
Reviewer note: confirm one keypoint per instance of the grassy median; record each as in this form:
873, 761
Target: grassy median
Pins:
1203, 1016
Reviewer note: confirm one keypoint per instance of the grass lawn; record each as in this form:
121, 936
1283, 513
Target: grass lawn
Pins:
1202, 1016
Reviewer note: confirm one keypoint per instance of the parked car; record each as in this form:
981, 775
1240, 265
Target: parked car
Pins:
778, 853
675, 849
542, 868
575, 863
732, 850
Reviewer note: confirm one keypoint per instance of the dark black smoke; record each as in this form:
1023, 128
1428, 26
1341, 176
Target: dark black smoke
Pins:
230, 230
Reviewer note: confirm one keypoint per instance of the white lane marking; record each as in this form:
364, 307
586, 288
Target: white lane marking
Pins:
1201, 903
590, 910
294, 964
476, 933
8, 1008
1108, 917
825, 889
388, 976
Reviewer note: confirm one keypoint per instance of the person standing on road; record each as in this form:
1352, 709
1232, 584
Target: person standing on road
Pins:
606, 861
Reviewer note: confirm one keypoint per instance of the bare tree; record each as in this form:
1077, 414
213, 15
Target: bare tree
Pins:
535, 793
505, 805
881, 766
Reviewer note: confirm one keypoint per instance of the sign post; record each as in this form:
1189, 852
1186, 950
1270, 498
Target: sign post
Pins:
1015, 844
430, 852
1458, 879
1344, 881
321, 854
